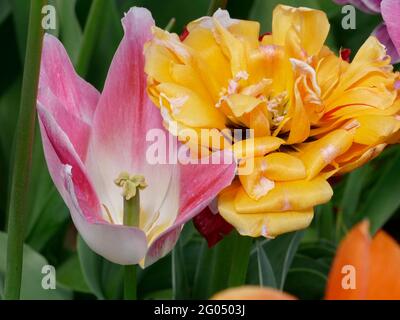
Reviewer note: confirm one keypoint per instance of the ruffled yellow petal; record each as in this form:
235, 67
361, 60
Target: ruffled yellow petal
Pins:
311, 27
373, 130
286, 196
256, 147
276, 166
322, 152
269, 224
184, 103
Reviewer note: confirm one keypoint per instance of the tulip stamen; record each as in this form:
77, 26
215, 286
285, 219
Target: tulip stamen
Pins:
131, 184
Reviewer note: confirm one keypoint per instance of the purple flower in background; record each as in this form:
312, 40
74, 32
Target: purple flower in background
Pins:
388, 32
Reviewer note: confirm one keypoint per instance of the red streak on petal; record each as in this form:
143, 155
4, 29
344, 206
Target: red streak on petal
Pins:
345, 54
264, 34
184, 34
211, 226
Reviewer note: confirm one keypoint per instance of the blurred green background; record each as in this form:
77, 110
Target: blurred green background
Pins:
298, 262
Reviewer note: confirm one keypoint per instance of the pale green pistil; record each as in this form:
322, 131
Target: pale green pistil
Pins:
131, 184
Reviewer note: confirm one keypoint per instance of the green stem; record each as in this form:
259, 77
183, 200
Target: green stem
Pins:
132, 210
215, 4
131, 218
90, 35
130, 283
23, 153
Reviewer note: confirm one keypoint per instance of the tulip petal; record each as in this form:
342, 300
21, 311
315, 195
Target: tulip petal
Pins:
390, 12
286, 196
374, 264
320, 153
266, 224
70, 99
119, 244
382, 34
384, 280
352, 260
367, 6
252, 293
199, 184
303, 22
123, 124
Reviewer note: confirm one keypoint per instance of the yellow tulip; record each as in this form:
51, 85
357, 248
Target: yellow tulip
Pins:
311, 113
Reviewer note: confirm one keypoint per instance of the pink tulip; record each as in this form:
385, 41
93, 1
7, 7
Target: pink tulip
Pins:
90, 138
388, 32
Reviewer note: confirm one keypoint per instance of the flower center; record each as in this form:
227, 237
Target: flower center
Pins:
131, 184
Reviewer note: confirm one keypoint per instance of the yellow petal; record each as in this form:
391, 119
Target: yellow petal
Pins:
269, 224
286, 196
311, 26
240, 103
318, 154
374, 130
256, 147
276, 166
187, 107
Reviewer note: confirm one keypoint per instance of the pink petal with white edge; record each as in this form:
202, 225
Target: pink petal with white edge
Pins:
122, 120
381, 33
391, 13
199, 185
119, 244
71, 100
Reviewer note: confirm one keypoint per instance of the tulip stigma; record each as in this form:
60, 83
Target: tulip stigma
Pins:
131, 184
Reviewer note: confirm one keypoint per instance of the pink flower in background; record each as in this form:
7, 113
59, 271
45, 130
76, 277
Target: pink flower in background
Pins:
387, 32
90, 138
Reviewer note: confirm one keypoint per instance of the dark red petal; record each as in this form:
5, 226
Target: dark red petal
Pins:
184, 34
345, 54
211, 226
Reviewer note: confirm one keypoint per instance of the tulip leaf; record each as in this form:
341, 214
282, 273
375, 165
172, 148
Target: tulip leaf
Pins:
70, 276
281, 252
5, 10
104, 278
306, 283
266, 276
20, 10
354, 186
224, 265
324, 220
32, 275
180, 285
383, 199
70, 30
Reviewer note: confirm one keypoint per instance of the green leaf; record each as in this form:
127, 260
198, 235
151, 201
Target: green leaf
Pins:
281, 252
104, 278
355, 184
70, 275
180, 285
383, 200
20, 10
70, 29
324, 220
225, 265
305, 283
31, 275
155, 278
5, 10
266, 274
